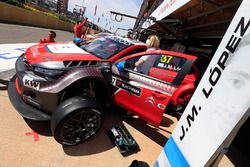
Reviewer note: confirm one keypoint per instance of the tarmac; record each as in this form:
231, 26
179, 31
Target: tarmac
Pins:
26, 143
30, 143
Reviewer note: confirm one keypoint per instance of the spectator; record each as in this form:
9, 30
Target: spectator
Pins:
51, 37
146, 62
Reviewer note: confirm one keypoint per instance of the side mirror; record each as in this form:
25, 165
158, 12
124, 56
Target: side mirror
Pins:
120, 65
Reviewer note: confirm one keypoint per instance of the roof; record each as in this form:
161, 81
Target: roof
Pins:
197, 19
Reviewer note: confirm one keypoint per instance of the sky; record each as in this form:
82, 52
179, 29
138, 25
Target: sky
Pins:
129, 7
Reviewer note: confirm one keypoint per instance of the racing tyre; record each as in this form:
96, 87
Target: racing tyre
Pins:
76, 120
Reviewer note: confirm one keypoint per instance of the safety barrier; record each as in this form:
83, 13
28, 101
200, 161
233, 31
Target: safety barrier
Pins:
17, 15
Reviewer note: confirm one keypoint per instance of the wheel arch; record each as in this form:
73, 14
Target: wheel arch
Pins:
101, 82
182, 89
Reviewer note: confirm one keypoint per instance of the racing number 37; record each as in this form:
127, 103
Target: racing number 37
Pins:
166, 58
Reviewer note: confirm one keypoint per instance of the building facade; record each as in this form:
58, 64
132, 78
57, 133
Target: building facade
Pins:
62, 6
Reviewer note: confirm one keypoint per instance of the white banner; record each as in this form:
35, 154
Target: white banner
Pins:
164, 9
9, 53
222, 97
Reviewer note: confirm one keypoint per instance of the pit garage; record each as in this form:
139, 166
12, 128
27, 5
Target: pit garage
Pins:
197, 28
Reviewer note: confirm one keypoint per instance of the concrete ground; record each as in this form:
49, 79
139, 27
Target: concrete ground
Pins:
20, 146
25, 143
11, 33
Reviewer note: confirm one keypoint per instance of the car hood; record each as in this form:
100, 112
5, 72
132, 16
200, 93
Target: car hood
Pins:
57, 52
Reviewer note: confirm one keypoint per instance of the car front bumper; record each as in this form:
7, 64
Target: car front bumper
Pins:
24, 109
30, 101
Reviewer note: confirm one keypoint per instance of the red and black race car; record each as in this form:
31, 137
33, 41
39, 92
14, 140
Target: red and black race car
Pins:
102, 34
69, 85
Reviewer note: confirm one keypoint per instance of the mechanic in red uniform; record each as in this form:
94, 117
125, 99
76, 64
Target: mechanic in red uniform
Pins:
51, 37
78, 28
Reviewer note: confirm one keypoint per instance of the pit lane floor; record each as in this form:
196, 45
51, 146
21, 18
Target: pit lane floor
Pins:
26, 143
20, 147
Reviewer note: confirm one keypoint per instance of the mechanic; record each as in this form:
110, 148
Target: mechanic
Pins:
78, 28
129, 35
145, 62
51, 37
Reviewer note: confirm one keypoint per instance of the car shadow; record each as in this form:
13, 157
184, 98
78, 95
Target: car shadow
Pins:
40, 127
100, 142
3, 84
149, 130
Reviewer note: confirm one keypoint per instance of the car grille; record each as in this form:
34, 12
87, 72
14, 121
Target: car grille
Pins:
27, 64
79, 63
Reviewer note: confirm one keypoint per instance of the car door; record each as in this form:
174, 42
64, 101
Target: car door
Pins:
139, 93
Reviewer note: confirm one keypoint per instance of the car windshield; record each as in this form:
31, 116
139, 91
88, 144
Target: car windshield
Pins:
101, 35
106, 47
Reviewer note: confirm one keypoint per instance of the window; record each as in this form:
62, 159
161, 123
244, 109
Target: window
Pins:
106, 47
169, 62
161, 67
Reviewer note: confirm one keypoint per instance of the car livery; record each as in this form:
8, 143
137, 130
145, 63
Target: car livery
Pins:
61, 82
168, 84
69, 84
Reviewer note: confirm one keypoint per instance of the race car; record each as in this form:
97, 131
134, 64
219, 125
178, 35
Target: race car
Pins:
61, 81
103, 34
70, 85
167, 84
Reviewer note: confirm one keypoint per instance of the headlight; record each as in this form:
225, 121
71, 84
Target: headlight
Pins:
47, 72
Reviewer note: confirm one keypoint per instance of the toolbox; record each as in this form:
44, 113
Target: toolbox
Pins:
123, 139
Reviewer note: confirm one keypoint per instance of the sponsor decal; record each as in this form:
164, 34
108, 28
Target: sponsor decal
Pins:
34, 50
163, 87
28, 82
150, 100
168, 66
65, 48
31, 101
170, 63
161, 106
126, 86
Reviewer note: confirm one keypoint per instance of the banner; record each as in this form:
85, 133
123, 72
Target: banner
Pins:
219, 102
164, 9
9, 53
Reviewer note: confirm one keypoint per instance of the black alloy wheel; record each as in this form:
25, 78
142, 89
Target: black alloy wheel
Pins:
76, 120
81, 126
